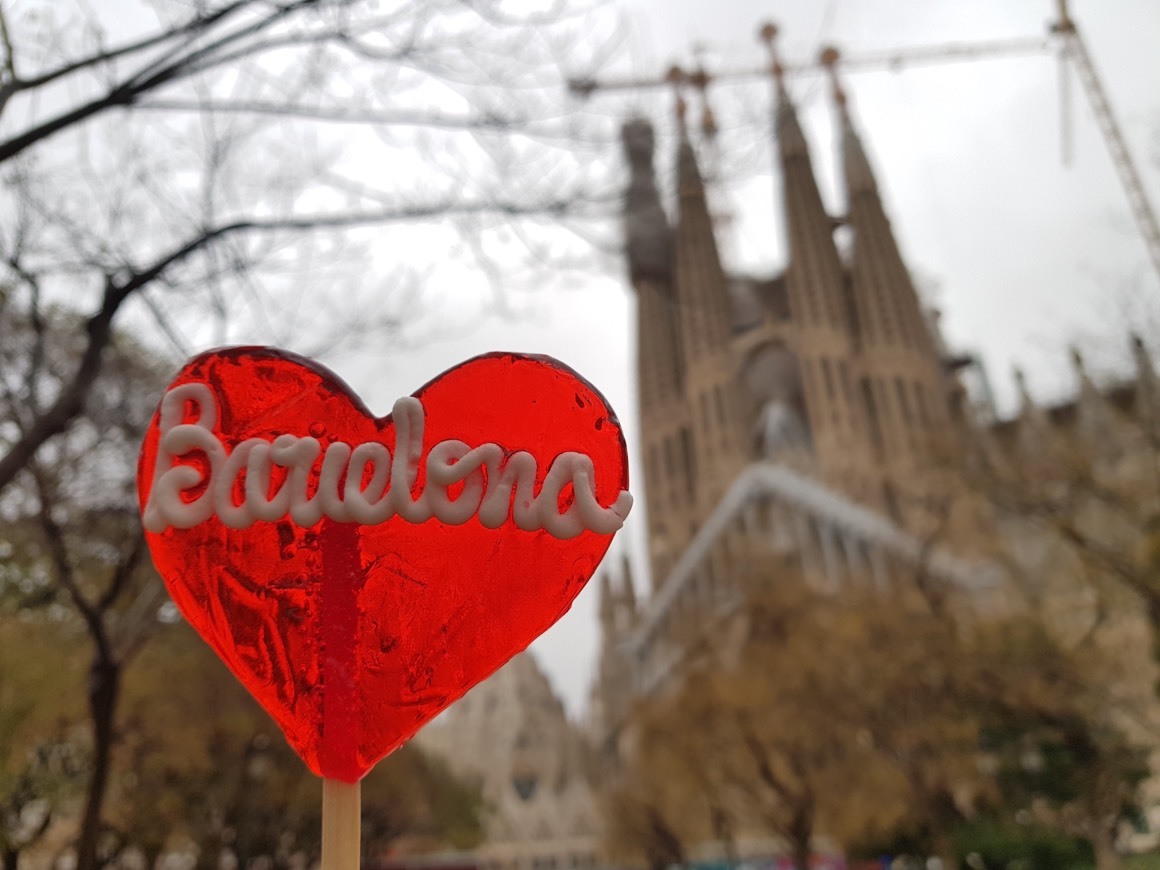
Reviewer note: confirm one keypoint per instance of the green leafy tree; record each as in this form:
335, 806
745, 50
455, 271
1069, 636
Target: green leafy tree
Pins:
876, 718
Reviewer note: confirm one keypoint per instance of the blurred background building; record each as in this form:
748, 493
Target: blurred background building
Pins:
511, 736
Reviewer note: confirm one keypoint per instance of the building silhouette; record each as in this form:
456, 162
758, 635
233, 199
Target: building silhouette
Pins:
816, 414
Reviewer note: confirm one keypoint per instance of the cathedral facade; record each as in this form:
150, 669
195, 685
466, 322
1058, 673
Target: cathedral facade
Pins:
831, 367
815, 414
800, 410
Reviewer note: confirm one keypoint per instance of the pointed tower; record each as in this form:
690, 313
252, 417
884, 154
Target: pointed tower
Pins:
607, 605
711, 446
612, 692
1097, 424
818, 301
661, 359
1147, 391
1038, 446
904, 392
629, 590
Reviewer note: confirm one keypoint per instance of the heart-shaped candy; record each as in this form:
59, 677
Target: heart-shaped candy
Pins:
358, 574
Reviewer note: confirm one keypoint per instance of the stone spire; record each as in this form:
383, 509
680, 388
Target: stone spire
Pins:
1144, 369
649, 248
816, 281
707, 456
607, 603
700, 279
674, 273
818, 300
1077, 364
1147, 389
1029, 410
1037, 440
648, 237
626, 579
1096, 421
906, 393
889, 311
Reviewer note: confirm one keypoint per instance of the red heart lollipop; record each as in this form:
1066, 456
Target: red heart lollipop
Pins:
358, 574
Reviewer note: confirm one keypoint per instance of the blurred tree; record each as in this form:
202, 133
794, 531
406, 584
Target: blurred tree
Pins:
206, 766
646, 815
987, 845
772, 741
41, 763
869, 717
1074, 499
213, 163
1074, 494
77, 538
1068, 771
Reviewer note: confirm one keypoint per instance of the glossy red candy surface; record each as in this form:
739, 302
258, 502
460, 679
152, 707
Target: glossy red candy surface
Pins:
350, 635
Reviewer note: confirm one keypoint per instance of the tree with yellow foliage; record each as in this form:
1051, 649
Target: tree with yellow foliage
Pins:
865, 714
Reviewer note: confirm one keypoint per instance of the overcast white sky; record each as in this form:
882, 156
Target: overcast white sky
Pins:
1024, 255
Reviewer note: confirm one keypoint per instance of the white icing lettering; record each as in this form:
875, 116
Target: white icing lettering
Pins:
166, 506
370, 505
408, 415
362, 484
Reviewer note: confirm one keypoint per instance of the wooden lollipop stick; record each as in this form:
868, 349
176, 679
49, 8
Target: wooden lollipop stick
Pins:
341, 825
338, 615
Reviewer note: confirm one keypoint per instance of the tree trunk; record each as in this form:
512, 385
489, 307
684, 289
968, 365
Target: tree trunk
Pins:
801, 831
801, 856
944, 816
104, 687
723, 831
662, 846
209, 854
944, 850
1104, 845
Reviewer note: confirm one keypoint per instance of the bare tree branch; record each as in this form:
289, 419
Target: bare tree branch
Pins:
340, 115
62, 564
154, 75
14, 84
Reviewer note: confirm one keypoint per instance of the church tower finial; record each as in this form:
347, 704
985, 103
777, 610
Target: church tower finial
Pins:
607, 603
1147, 388
1027, 404
626, 580
677, 78
1097, 422
1081, 373
859, 176
768, 35
829, 58
790, 139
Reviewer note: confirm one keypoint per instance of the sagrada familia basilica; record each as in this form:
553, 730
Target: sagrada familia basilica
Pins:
808, 413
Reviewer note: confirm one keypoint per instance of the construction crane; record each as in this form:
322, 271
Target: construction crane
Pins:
883, 60
1072, 48
1063, 33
